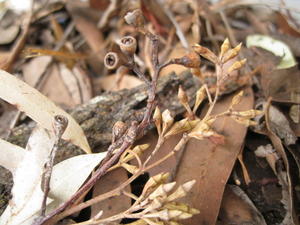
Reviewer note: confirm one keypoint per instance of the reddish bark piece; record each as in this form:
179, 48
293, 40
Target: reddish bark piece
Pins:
112, 205
210, 164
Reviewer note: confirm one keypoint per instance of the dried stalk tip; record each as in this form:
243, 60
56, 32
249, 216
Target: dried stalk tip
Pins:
247, 114
60, 125
135, 18
162, 190
128, 45
237, 98
167, 119
246, 122
225, 47
139, 149
236, 65
111, 60
182, 96
156, 180
130, 168
191, 60
205, 52
181, 191
182, 126
200, 95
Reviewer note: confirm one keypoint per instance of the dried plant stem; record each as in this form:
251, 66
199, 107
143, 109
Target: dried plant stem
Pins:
185, 138
60, 125
159, 143
122, 143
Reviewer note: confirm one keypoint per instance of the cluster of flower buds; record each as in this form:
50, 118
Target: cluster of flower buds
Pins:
226, 53
185, 124
158, 201
128, 155
204, 130
163, 121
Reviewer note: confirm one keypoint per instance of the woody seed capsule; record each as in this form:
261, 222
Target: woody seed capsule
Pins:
128, 45
112, 60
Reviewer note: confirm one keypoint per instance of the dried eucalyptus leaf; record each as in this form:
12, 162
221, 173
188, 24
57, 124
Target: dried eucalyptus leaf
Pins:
39, 108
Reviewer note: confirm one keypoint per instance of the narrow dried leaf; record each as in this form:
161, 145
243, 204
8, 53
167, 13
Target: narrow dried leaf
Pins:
34, 52
39, 108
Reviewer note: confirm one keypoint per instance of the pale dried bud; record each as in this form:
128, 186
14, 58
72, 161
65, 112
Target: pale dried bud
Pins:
236, 65
225, 47
237, 98
191, 60
135, 18
156, 180
244, 121
139, 149
167, 119
152, 222
118, 130
182, 126
205, 52
181, 207
162, 214
112, 61
183, 98
247, 114
173, 213
130, 168
232, 53
157, 119
200, 95
181, 191
174, 223
162, 190
155, 204
128, 45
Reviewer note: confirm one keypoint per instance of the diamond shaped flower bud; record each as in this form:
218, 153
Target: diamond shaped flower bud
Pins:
225, 47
